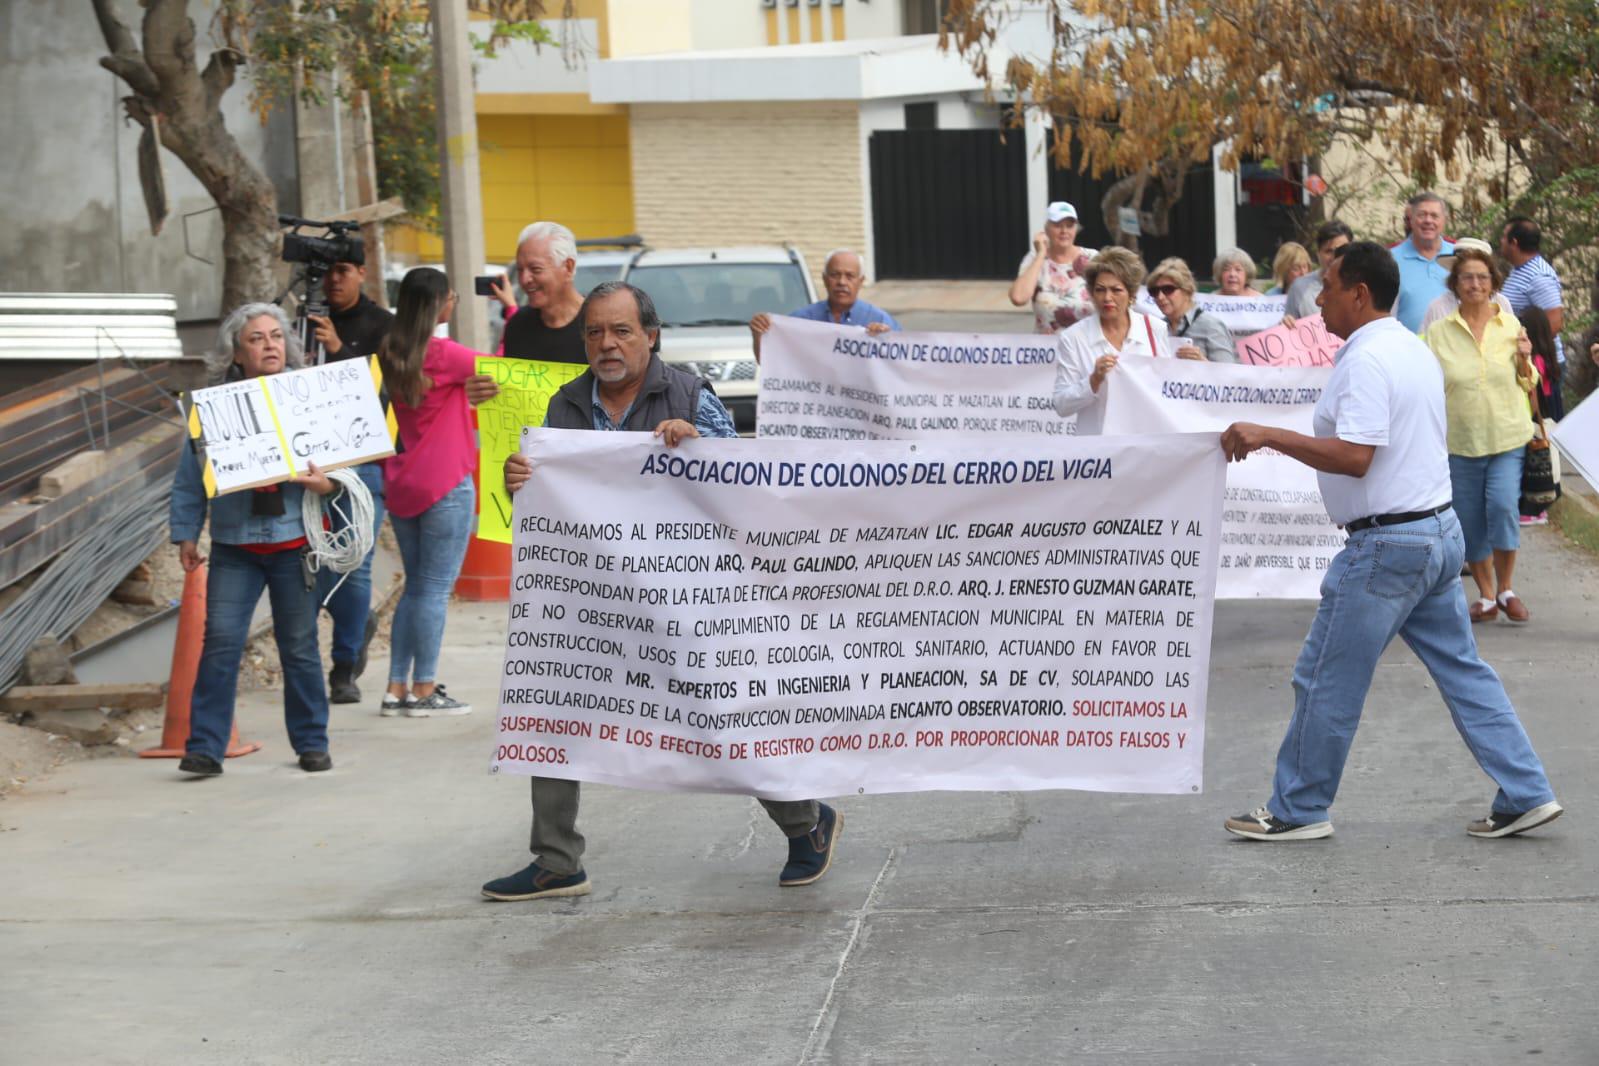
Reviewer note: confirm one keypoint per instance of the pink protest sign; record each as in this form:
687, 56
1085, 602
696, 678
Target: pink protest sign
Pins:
1307, 343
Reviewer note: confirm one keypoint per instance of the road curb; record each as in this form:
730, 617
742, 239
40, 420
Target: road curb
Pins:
1576, 513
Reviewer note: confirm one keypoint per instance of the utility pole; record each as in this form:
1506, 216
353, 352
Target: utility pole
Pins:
461, 192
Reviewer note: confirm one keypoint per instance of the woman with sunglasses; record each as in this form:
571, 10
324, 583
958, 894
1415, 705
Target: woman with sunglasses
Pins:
1194, 334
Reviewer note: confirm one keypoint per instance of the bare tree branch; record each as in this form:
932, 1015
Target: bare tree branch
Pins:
124, 61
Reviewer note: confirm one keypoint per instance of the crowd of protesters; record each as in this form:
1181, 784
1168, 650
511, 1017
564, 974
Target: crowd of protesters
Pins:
1492, 324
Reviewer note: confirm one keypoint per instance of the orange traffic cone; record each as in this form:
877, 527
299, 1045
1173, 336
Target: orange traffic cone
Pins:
185, 667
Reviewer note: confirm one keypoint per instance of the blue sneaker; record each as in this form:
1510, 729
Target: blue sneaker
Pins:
535, 882
810, 855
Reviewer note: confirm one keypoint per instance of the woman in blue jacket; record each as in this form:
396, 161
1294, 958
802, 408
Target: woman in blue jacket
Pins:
257, 542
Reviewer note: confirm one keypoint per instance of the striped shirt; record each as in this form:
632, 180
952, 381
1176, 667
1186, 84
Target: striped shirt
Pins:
1535, 284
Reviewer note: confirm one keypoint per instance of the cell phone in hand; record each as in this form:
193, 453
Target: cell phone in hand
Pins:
484, 285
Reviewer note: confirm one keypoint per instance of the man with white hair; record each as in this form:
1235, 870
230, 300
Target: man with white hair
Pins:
842, 275
549, 327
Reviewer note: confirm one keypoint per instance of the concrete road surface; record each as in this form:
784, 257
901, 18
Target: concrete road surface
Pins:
270, 916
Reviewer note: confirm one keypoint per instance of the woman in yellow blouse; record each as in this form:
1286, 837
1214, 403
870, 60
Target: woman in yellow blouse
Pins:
1487, 374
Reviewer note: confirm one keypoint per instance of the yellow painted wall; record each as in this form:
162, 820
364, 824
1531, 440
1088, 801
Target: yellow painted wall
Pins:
572, 169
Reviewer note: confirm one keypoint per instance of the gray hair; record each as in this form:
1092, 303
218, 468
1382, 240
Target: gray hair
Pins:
845, 251
563, 245
1427, 196
243, 315
648, 317
1233, 257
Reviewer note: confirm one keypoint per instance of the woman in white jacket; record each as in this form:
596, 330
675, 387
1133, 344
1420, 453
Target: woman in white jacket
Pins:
1090, 349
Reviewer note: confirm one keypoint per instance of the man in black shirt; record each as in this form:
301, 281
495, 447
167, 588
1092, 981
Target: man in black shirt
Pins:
549, 327
354, 327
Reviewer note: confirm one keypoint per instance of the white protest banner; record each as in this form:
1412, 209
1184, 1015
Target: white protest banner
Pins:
1243, 315
1577, 437
1307, 343
267, 429
791, 619
1276, 537
826, 382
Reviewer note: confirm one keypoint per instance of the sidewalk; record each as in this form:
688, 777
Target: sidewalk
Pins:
963, 296
270, 916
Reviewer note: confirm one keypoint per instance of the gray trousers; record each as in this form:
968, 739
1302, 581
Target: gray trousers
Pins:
557, 846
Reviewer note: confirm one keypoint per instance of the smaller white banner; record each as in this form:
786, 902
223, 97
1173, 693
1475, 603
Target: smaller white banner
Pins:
1243, 315
825, 382
1577, 437
1276, 537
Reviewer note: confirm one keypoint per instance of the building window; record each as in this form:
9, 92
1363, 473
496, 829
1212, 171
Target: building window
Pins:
923, 116
922, 16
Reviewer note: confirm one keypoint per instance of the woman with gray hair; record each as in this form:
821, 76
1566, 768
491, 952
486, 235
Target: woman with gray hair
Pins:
1234, 272
257, 542
1089, 350
1194, 334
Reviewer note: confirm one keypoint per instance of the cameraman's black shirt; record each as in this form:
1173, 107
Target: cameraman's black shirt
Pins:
527, 337
361, 328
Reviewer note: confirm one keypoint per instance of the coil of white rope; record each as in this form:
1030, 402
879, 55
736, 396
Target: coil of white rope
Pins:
342, 548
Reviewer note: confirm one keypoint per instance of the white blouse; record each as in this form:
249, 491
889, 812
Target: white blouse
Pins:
1081, 345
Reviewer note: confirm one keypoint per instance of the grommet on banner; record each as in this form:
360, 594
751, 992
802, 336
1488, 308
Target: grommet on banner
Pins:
185, 668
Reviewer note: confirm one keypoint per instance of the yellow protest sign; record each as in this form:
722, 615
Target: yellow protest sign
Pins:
526, 386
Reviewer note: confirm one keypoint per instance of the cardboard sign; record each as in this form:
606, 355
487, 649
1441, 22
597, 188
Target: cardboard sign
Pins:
526, 386
1307, 344
264, 430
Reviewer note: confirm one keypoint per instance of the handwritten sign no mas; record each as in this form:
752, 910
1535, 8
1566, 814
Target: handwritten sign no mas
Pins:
269, 429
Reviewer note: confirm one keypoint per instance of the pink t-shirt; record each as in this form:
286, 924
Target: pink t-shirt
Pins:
440, 445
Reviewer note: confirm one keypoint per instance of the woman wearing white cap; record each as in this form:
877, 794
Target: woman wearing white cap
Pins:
1051, 276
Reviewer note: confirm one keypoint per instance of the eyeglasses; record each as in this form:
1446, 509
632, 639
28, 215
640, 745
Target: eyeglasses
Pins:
1164, 290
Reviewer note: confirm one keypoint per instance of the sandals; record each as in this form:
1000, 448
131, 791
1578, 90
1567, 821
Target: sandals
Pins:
1515, 610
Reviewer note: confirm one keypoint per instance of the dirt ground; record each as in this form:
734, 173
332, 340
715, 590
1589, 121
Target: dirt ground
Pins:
28, 754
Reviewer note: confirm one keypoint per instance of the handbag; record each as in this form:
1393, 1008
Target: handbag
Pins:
1540, 470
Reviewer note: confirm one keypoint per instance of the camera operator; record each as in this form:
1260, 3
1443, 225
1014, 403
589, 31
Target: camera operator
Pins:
352, 329
354, 325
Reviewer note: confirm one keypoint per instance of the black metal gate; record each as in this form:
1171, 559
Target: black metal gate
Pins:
949, 203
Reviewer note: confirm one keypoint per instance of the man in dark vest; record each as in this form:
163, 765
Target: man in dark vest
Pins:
548, 328
628, 387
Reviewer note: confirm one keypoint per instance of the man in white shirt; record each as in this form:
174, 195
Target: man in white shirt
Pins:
1384, 475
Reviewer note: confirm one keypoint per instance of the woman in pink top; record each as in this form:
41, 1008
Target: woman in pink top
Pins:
428, 485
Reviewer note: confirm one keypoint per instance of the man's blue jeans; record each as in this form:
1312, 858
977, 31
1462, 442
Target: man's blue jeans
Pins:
352, 603
432, 547
1400, 581
232, 589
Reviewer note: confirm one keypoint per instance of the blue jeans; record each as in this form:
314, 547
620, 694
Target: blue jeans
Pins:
352, 603
432, 546
232, 589
1396, 580
1487, 493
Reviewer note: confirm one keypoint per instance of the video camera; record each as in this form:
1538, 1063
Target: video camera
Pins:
339, 242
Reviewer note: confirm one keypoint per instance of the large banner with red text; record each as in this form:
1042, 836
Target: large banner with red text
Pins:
790, 619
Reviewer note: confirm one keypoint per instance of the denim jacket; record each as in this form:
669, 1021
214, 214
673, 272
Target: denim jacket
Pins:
231, 520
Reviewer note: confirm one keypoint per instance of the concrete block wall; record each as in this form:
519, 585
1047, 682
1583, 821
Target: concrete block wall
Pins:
770, 173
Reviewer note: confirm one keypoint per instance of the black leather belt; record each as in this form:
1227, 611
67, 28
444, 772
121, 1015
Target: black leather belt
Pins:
1395, 519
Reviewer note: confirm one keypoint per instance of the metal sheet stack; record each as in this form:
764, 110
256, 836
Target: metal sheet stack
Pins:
86, 463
